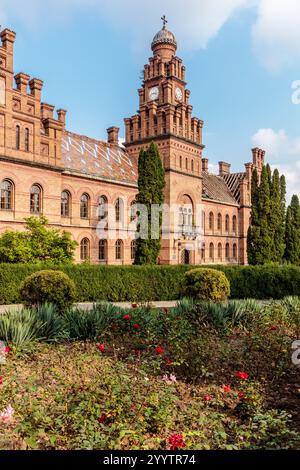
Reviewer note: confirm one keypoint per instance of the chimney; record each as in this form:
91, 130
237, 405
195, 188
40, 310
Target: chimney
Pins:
61, 113
8, 38
22, 80
249, 168
47, 111
224, 168
113, 135
36, 86
205, 165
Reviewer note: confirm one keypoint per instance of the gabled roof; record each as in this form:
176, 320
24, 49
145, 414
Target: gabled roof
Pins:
215, 188
81, 154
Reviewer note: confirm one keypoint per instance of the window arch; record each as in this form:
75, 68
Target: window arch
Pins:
102, 207
203, 252
180, 161
7, 191
119, 210
220, 251
119, 250
36, 199
219, 221
85, 249
234, 224
27, 142
133, 211
211, 251
102, 250
227, 223
84, 206
65, 204
133, 249
192, 166
211, 221
234, 251
18, 137
227, 251
186, 164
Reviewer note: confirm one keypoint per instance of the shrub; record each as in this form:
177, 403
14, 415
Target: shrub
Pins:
48, 286
206, 284
149, 283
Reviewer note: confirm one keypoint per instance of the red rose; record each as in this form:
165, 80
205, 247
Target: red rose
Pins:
101, 348
7, 349
159, 350
207, 398
176, 442
134, 306
227, 389
102, 418
1, 380
274, 328
136, 326
242, 375
127, 317
241, 395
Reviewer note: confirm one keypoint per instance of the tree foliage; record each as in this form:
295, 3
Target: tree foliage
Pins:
292, 232
266, 235
151, 183
38, 243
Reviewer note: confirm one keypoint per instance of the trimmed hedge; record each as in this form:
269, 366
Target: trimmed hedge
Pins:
145, 283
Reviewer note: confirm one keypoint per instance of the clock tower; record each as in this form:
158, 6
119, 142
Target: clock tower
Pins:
165, 117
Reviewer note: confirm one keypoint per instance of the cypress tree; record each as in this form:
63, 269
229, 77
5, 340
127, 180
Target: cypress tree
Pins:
292, 232
151, 183
277, 218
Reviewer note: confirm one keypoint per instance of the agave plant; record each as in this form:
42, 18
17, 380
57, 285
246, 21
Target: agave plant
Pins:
51, 323
20, 328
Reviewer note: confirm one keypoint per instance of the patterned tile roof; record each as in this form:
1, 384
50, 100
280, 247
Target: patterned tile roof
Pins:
233, 181
215, 188
97, 158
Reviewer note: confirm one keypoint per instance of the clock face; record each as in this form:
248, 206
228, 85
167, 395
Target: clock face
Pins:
178, 94
153, 93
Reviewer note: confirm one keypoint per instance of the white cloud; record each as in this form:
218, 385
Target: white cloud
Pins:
282, 152
193, 21
276, 33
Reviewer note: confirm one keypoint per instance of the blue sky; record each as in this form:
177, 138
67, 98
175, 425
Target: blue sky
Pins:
242, 57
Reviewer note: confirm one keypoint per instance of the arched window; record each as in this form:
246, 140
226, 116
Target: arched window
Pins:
211, 221
192, 166
186, 214
186, 164
227, 251
27, 143
85, 249
133, 249
164, 122
211, 251
227, 223
220, 251
133, 212
102, 250
35, 199
18, 136
219, 222
203, 252
180, 161
119, 210
84, 206
65, 204
234, 224
234, 251
119, 250
7, 190
102, 207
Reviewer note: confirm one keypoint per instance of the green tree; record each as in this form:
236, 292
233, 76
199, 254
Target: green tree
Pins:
277, 218
37, 244
151, 183
292, 232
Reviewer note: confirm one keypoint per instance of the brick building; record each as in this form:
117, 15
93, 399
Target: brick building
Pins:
78, 182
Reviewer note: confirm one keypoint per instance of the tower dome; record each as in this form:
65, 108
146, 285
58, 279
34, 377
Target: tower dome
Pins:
164, 43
